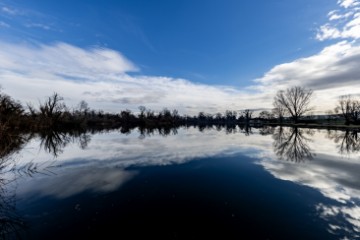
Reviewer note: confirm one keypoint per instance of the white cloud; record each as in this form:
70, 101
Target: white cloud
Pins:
332, 72
335, 15
344, 23
335, 65
334, 175
124, 151
101, 165
75, 182
348, 3
336, 178
100, 168
101, 77
335, 216
327, 31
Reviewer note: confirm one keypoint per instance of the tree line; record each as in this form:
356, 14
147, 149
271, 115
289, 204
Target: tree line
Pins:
295, 103
54, 114
290, 105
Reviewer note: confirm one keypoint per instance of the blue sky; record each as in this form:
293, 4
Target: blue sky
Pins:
230, 51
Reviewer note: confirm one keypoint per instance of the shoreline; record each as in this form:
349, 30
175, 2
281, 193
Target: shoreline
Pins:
316, 126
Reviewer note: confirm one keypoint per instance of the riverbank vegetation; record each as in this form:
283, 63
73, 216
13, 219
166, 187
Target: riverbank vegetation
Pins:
290, 108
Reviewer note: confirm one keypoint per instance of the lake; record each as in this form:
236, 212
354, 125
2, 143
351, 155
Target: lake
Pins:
228, 183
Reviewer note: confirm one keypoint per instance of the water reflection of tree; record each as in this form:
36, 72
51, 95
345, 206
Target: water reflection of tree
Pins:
162, 131
348, 141
54, 142
267, 130
166, 130
292, 144
246, 129
11, 142
10, 222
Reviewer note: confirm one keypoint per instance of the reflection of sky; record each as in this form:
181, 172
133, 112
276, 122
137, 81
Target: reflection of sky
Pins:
107, 156
74, 182
336, 176
128, 150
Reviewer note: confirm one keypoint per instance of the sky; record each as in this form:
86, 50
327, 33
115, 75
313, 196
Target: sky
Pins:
187, 55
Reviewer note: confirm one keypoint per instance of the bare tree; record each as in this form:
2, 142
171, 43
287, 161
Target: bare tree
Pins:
83, 107
295, 101
142, 112
10, 111
266, 115
247, 114
349, 108
53, 107
279, 111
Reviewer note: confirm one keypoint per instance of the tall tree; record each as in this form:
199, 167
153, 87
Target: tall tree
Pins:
349, 108
295, 101
53, 107
247, 114
279, 111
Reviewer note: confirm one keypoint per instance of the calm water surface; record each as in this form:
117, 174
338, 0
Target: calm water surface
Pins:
275, 183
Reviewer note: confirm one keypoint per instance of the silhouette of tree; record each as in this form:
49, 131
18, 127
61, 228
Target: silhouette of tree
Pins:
142, 112
291, 144
83, 107
247, 114
295, 101
53, 107
349, 108
279, 112
10, 111
230, 115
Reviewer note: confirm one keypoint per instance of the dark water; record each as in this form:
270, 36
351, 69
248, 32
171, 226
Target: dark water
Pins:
258, 184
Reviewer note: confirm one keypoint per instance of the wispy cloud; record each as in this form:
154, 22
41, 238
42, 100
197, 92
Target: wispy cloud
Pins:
4, 25
75, 182
334, 70
38, 25
331, 73
344, 23
108, 80
348, 3
10, 11
102, 77
23, 19
335, 66
336, 180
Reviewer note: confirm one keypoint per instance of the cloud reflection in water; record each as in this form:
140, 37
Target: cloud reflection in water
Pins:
78, 181
333, 170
